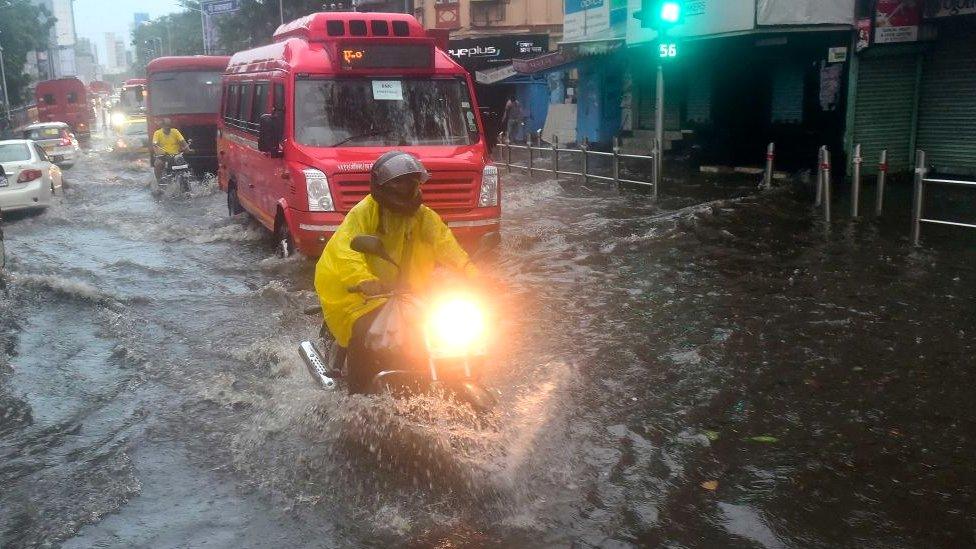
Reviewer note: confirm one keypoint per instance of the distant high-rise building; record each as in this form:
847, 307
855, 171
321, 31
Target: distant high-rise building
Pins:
60, 55
115, 54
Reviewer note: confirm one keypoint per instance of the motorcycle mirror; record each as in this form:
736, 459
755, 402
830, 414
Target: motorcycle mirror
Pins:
371, 245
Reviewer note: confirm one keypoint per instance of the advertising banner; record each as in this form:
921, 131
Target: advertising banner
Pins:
897, 21
213, 10
863, 34
478, 54
805, 12
949, 8
701, 18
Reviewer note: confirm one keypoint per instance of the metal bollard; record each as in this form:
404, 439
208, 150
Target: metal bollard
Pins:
768, 175
917, 198
826, 185
528, 147
882, 175
820, 171
583, 146
856, 182
555, 157
538, 138
616, 160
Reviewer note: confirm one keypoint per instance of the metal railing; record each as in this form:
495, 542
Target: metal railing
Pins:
918, 198
585, 155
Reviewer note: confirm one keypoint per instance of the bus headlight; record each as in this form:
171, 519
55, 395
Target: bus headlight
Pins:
319, 195
489, 187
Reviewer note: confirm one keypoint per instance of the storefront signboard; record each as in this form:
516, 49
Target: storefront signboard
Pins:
897, 21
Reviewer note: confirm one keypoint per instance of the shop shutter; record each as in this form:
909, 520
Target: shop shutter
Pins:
883, 110
947, 108
787, 102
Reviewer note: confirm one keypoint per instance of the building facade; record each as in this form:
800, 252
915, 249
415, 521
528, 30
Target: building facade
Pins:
914, 85
58, 60
487, 37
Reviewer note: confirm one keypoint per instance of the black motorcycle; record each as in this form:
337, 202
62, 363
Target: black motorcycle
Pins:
452, 339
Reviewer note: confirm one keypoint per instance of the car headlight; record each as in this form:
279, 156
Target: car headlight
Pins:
118, 119
319, 195
489, 187
456, 327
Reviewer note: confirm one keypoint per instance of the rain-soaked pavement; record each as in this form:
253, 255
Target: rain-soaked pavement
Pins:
713, 370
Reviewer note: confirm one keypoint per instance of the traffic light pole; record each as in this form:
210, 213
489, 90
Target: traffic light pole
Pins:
659, 128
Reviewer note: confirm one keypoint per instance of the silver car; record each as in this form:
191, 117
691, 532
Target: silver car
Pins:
57, 141
27, 177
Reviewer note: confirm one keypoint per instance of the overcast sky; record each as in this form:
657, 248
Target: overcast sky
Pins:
93, 18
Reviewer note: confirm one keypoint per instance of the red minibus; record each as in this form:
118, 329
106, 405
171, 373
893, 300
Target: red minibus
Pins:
303, 120
65, 100
187, 91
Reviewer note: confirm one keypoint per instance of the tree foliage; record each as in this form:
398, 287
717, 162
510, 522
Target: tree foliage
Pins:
255, 23
174, 34
24, 27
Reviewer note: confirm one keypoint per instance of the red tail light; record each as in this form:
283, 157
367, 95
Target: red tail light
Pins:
65, 139
28, 175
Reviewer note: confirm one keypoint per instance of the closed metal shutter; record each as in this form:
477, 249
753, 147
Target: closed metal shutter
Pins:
883, 110
947, 107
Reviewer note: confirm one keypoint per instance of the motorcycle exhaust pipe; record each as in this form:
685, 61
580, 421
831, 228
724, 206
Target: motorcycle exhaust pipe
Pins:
316, 365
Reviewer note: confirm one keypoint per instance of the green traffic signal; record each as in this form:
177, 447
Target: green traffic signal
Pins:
659, 14
670, 12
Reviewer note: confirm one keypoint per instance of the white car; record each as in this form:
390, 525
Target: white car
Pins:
57, 141
27, 177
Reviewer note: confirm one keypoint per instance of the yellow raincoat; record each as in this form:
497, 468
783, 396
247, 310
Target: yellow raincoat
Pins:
423, 237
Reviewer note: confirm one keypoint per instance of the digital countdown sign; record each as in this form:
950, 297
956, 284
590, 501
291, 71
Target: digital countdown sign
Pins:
386, 56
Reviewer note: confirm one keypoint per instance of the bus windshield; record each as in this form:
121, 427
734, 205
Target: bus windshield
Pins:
186, 92
132, 98
376, 113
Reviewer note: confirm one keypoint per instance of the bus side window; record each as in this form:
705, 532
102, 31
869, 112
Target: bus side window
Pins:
49, 99
279, 97
244, 106
260, 104
72, 97
233, 97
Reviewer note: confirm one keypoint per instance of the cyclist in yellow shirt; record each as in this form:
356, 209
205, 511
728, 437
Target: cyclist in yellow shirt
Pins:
167, 141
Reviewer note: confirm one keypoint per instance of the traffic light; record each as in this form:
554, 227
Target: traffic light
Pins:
659, 14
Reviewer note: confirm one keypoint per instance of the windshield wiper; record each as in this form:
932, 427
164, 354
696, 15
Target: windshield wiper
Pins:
363, 136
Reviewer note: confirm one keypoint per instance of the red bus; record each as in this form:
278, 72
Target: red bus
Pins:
304, 118
132, 100
65, 100
187, 91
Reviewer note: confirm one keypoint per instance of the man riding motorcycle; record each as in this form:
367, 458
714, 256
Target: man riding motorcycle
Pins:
416, 238
167, 141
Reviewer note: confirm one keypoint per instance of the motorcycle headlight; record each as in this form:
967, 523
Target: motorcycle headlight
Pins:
489, 187
319, 195
456, 327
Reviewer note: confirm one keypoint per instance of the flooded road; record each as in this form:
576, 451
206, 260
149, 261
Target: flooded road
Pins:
711, 370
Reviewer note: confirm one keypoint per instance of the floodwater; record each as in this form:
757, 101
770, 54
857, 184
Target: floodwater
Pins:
717, 369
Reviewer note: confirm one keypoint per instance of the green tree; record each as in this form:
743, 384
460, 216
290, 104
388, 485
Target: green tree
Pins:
24, 27
174, 34
255, 23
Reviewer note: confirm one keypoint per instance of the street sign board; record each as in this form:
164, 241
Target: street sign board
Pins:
218, 7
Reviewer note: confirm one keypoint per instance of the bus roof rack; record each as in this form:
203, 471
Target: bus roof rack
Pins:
328, 26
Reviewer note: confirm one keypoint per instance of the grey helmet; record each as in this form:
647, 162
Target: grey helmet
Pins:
390, 166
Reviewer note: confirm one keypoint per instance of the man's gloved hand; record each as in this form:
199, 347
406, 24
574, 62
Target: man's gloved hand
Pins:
374, 287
